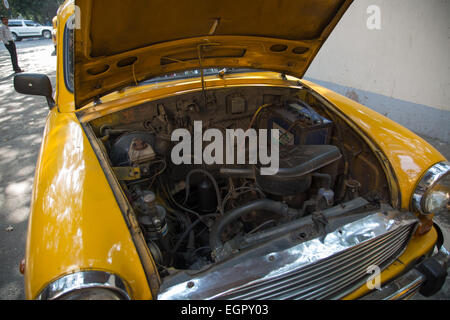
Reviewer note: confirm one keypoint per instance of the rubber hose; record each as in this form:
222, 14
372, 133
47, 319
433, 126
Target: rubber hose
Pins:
215, 240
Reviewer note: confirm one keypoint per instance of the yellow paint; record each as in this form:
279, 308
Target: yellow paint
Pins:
75, 222
408, 154
165, 40
132, 96
63, 97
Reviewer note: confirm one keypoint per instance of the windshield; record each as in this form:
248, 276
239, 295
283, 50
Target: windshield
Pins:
196, 73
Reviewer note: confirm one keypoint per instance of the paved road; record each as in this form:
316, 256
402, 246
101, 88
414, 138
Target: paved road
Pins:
22, 120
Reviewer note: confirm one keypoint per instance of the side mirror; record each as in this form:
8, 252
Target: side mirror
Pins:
35, 84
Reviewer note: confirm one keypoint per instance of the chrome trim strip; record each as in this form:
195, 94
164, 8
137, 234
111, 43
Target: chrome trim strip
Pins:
407, 285
403, 287
83, 280
258, 272
428, 181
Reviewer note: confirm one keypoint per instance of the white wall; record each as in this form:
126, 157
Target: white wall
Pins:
408, 59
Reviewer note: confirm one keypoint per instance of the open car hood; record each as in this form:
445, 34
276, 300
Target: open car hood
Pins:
123, 42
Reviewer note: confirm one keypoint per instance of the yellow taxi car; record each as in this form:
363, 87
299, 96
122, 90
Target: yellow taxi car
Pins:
144, 188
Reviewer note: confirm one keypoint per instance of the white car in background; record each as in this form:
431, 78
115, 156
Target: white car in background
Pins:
27, 29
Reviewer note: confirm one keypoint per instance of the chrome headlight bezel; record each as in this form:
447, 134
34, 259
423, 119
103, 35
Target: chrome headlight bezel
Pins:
84, 280
429, 180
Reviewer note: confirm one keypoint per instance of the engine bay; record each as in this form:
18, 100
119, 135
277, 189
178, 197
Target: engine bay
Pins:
194, 215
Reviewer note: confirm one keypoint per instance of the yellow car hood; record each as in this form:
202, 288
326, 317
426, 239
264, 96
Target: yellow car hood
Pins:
118, 43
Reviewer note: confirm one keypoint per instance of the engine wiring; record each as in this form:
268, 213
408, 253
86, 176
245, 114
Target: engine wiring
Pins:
194, 203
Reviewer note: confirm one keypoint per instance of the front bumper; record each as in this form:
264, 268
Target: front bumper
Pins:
427, 278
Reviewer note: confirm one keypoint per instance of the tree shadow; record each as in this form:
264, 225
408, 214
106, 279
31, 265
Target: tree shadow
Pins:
8, 77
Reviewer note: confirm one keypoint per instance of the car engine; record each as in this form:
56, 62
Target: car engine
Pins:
196, 215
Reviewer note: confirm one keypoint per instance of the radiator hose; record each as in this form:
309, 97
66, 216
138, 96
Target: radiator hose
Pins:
215, 235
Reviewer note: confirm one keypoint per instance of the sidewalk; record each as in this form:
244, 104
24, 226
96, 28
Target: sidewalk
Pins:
22, 120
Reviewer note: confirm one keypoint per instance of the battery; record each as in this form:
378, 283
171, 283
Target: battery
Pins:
299, 124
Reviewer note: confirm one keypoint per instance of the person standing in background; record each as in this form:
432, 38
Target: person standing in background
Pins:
7, 38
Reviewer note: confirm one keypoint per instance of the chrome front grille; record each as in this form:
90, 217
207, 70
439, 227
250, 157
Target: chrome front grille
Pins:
329, 278
326, 268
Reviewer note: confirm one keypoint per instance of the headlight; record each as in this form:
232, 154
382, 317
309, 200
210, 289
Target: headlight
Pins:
86, 285
432, 194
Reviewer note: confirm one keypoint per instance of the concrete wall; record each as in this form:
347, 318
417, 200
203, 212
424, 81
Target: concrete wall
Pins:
401, 70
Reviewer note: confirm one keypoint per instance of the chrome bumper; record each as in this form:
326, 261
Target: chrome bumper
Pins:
407, 285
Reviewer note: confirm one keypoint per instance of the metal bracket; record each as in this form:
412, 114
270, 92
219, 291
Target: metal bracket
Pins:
127, 173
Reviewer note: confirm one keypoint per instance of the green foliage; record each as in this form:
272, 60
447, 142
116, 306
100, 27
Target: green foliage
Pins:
38, 10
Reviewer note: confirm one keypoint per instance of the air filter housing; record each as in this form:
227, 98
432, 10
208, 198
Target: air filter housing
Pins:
297, 164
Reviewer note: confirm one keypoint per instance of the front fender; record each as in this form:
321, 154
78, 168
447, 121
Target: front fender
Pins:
408, 154
75, 223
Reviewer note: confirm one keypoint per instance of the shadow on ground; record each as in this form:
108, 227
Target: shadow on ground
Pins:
22, 120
